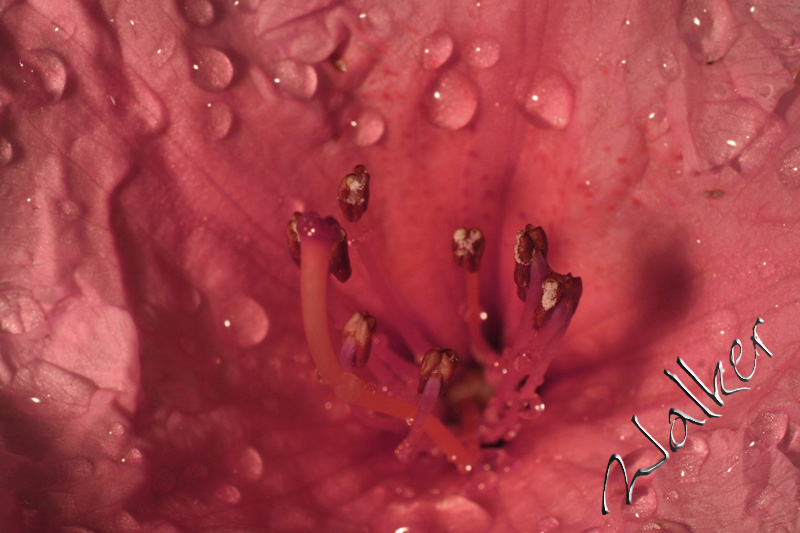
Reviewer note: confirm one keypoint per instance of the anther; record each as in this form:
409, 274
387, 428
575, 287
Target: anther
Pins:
468, 245
293, 238
530, 252
357, 339
435, 372
560, 297
353, 193
437, 363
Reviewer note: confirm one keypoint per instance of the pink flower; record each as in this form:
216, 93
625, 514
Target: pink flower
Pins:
154, 372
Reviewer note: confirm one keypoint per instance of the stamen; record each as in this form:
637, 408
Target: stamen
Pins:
529, 253
357, 339
544, 322
435, 373
322, 251
468, 246
353, 194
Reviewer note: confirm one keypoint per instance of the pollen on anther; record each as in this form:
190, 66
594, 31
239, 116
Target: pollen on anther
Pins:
468, 246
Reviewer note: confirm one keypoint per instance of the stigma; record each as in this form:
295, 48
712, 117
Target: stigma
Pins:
487, 394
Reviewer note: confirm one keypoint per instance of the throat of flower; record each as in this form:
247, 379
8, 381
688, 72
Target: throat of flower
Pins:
318, 240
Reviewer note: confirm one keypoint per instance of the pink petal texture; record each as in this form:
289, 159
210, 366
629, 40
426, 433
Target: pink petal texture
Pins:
154, 373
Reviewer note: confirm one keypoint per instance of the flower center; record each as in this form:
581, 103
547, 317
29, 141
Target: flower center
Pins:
492, 391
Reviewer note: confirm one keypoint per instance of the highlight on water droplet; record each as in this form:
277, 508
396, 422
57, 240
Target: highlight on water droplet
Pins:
435, 50
219, 118
293, 79
242, 320
546, 100
451, 101
789, 169
198, 12
483, 52
211, 69
365, 126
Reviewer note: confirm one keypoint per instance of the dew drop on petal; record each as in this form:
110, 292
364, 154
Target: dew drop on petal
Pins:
163, 51
242, 320
709, 27
643, 503
227, 494
6, 152
548, 524
435, 50
219, 118
451, 102
668, 65
483, 52
378, 20
547, 101
249, 465
198, 12
211, 69
44, 72
293, 79
247, 5
789, 169
366, 126
722, 130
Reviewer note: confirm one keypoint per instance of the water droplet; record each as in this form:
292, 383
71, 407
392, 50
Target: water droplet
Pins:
293, 79
366, 126
44, 75
690, 459
668, 65
435, 50
643, 503
721, 130
709, 27
163, 51
378, 20
483, 52
212, 69
547, 101
198, 12
547, 524
523, 363
349, 388
451, 102
789, 169
219, 118
319, 377
20, 312
6, 152
530, 407
249, 465
656, 124
242, 320
227, 494
720, 326
372, 388
57, 392
247, 5
767, 430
